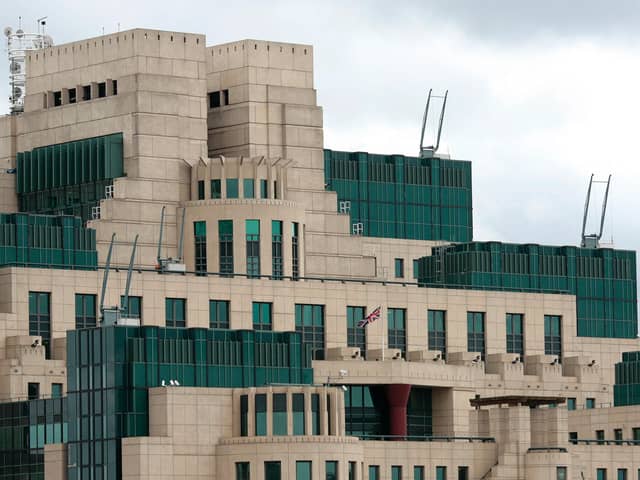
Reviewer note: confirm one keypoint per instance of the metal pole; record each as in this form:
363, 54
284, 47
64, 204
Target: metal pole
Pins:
106, 273
160, 238
125, 300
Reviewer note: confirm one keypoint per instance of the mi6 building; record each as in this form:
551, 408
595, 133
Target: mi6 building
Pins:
193, 287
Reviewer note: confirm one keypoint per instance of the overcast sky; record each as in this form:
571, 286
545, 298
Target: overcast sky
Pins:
541, 94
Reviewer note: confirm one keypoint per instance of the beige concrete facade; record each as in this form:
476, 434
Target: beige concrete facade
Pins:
193, 115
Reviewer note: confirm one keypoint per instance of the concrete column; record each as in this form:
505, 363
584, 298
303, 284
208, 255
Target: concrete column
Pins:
64, 96
397, 398
109, 87
94, 90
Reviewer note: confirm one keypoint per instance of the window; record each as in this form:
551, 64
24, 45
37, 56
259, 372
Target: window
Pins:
244, 412
553, 336
214, 99
261, 414
622, 474
225, 237
303, 470
396, 472
242, 471
352, 470
225, 97
175, 312
279, 413
590, 403
617, 434
515, 334
72, 95
601, 474
219, 314
636, 434
418, 472
398, 265
561, 473
56, 390
295, 261
200, 238
271, 470
216, 188
253, 247
437, 331
441, 473
102, 89
262, 316
310, 325
315, 414
263, 189
573, 437
86, 92
134, 307
276, 250
33, 391
114, 85
232, 188
200, 189
600, 436
331, 470
85, 310
356, 336
374, 472
463, 473
247, 184
571, 403
297, 403
475, 333
40, 318
415, 269
396, 329
57, 99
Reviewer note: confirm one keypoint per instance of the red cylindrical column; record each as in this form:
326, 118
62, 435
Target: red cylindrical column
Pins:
397, 397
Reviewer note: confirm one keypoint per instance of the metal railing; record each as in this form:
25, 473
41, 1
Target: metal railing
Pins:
576, 441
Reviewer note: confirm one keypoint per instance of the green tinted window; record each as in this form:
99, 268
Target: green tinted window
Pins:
396, 472
134, 307
303, 470
247, 184
272, 471
374, 472
200, 189
356, 336
310, 324
218, 313
263, 189
253, 247
216, 188
475, 333
40, 318
175, 312
242, 471
331, 470
225, 238
397, 334
298, 414
437, 333
515, 333
85, 310
418, 472
262, 319
279, 413
261, 414
441, 473
232, 187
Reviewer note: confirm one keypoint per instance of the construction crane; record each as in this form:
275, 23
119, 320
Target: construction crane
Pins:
593, 240
430, 150
171, 265
117, 315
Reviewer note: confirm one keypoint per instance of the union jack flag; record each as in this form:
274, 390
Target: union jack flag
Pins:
372, 317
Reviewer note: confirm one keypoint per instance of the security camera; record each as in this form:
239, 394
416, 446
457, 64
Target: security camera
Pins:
592, 363
437, 357
555, 362
344, 388
343, 372
515, 360
35, 344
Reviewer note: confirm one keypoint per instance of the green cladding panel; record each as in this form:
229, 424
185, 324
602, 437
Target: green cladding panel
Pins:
626, 390
111, 368
68, 178
46, 241
396, 196
603, 280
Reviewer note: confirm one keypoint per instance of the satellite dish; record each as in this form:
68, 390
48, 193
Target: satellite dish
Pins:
20, 32
7, 31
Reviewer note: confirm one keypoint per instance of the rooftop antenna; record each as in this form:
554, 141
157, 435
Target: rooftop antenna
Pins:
430, 150
592, 240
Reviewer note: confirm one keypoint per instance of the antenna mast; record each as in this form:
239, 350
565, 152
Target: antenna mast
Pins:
430, 151
592, 240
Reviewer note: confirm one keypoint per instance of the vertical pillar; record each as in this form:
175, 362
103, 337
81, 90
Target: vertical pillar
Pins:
397, 397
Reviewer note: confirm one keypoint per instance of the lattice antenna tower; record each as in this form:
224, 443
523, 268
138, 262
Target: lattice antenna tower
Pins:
19, 43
